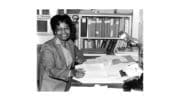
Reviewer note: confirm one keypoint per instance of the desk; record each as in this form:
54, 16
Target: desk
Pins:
127, 86
136, 84
109, 85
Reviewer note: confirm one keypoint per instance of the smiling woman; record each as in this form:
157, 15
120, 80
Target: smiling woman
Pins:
58, 57
63, 31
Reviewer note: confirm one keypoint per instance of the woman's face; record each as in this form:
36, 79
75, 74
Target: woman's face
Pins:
63, 31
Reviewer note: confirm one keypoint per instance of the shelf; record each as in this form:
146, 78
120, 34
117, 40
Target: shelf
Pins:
95, 29
44, 34
99, 38
106, 15
43, 17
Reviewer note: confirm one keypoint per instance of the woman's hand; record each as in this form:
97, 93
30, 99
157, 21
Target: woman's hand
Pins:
79, 60
78, 73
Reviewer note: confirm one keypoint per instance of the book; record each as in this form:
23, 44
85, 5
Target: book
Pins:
111, 46
84, 27
102, 27
126, 26
98, 27
121, 25
99, 43
107, 27
91, 26
116, 27
107, 43
111, 32
84, 43
108, 48
104, 43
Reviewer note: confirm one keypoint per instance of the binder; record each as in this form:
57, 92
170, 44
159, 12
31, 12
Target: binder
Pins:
103, 43
121, 25
126, 25
116, 27
103, 27
91, 27
98, 27
84, 27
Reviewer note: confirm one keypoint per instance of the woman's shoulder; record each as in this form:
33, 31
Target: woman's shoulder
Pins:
48, 45
49, 42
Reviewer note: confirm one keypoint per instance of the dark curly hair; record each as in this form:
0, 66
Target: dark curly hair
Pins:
66, 19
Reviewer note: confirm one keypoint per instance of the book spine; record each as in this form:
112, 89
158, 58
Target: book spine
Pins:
103, 43
88, 43
93, 44
108, 49
121, 25
111, 27
89, 29
85, 44
126, 24
116, 27
98, 43
98, 27
107, 44
103, 27
84, 27
114, 44
108, 27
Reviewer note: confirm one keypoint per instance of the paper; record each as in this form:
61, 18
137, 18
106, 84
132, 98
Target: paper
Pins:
95, 73
106, 69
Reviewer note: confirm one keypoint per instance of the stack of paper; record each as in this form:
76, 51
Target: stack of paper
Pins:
106, 69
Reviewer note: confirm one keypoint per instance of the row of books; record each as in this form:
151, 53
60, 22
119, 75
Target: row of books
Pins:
104, 45
104, 26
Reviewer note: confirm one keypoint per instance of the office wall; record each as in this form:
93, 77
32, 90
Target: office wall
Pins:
137, 31
44, 38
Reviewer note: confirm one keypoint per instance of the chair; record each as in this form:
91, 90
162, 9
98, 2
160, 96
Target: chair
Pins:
38, 68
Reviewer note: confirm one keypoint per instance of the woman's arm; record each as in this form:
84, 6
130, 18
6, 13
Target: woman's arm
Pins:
48, 62
79, 56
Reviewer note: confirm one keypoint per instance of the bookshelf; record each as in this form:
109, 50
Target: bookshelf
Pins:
93, 26
97, 29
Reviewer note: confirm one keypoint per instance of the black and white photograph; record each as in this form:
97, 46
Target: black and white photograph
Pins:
89, 48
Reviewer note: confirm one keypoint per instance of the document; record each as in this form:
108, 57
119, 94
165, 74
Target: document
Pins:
94, 73
108, 69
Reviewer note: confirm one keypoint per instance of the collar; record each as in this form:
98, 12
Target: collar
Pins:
57, 41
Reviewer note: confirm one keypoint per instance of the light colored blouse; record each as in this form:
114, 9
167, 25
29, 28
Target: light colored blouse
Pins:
67, 54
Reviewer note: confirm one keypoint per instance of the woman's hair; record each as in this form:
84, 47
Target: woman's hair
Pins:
66, 19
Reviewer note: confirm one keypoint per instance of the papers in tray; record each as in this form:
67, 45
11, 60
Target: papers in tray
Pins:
107, 69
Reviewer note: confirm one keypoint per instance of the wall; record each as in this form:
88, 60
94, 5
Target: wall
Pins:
137, 24
44, 38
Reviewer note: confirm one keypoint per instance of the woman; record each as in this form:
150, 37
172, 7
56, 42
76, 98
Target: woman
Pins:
58, 56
